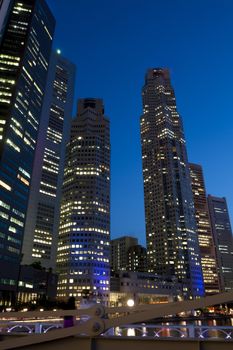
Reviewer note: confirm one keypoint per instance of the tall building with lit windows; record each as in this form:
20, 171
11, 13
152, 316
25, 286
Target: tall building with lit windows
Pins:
119, 248
25, 45
137, 258
205, 238
172, 242
84, 237
222, 234
42, 224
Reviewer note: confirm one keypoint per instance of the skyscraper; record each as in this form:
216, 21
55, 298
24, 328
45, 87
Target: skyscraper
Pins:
207, 249
83, 246
172, 241
26, 39
222, 234
41, 229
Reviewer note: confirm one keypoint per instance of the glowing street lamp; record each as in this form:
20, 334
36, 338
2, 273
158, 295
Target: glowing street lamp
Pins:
130, 302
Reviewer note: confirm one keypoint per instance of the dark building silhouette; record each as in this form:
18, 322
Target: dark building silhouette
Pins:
36, 284
25, 45
119, 252
137, 259
172, 242
222, 234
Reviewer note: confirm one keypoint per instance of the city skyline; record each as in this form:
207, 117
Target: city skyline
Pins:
192, 73
116, 174
187, 227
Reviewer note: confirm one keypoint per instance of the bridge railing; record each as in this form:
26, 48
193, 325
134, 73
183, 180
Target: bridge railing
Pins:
172, 331
97, 322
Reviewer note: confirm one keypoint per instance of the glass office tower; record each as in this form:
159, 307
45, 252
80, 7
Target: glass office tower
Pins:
172, 242
41, 229
26, 38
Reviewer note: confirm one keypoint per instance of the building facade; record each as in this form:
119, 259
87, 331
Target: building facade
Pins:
206, 243
36, 284
119, 252
222, 234
137, 259
84, 234
172, 242
42, 224
26, 38
143, 288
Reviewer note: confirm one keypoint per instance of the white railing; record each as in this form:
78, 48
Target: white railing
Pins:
29, 328
172, 331
100, 321
135, 330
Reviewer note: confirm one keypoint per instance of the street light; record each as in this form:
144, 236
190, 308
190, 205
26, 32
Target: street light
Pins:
130, 302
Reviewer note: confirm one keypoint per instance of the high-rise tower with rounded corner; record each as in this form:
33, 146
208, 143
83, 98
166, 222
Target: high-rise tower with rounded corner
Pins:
84, 235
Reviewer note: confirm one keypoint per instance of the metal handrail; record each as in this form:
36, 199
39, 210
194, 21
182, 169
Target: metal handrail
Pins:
97, 325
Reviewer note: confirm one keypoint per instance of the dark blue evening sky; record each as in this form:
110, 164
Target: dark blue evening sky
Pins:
113, 42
